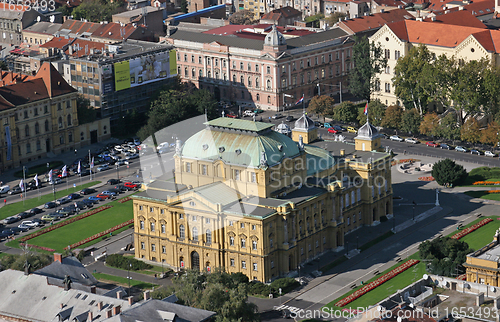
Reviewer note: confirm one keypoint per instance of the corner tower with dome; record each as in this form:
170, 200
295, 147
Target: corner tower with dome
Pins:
368, 138
305, 128
252, 200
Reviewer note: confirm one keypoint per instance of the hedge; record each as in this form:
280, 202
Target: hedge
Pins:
119, 261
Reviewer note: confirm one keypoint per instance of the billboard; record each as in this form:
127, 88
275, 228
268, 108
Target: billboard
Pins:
145, 69
122, 75
108, 83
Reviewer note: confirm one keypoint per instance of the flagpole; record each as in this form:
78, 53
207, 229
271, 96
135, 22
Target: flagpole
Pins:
24, 185
303, 104
90, 166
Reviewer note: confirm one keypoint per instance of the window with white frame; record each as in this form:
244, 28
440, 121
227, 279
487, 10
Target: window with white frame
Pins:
141, 224
152, 226
163, 229
243, 243
255, 266
164, 249
254, 245
231, 241
243, 265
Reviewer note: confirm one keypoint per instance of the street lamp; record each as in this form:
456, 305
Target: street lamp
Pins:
117, 172
128, 276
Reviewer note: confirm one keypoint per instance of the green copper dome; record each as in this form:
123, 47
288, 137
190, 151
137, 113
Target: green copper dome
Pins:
240, 142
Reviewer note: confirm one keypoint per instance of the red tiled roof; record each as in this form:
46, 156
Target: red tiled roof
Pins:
430, 33
81, 47
476, 8
374, 21
227, 30
286, 12
46, 84
459, 18
389, 3
114, 31
77, 26
9, 78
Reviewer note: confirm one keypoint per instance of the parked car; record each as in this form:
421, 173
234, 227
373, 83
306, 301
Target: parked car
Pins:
30, 223
131, 185
339, 128
55, 181
88, 203
396, 138
432, 144
23, 227
351, 129
327, 125
66, 211
137, 142
289, 118
73, 196
50, 217
132, 156
445, 146
103, 167
318, 124
109, 193
231, 115
474, 151
15, 190
50, 205
489, 154
87, 191
411, 140
332, 130
113, 182
94, 199
84, 173
62, 201
103, 196
460, 149
23, 215
36, 211
258, 111
8, 232
124, 162
10, 220
122, 188
4, 189
117, 191
248, 113
277, 116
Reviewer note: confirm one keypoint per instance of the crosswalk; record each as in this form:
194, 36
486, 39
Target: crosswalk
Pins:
292, 309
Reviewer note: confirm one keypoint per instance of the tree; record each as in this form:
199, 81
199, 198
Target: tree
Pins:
86, 113
97, 10
447, 172
345, 112
412, 79
470, 131
449, 128
175, 103
410, 121
320, 105
376, 112
491, 90
218, 292
336, 17
430, 124
392, 117
65, 10
490, 135
184, 6
242, 17
445, 255
314, 19
368, 63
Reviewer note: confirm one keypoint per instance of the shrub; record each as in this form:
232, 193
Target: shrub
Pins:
286, 284
259, 288
484, 173
119, 261
447, 172
239, 278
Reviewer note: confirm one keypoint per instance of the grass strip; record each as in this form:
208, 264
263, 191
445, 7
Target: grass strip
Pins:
484, 194
123, 281
12, 209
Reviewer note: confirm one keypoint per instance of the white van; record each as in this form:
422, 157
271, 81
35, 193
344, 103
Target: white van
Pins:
161, 146
4, 189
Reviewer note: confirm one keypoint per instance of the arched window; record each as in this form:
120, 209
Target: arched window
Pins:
254, 245
269, 99
46, 125
268, 84
37, 128
195, 234
209, 236
249, 67
234, 78
69, 119
209, 74
257, 98
38, 146
216, 75
249, 81
60, 122
193, 72
201, 73
268, 70
61, 139
241, 66
257, 82
242, 79
186, 71
182, 232
27, 130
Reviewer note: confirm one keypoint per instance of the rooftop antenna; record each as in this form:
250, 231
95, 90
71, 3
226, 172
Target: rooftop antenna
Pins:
144, 13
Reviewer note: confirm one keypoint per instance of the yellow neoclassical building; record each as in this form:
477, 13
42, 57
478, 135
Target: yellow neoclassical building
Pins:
250, 199
483, 265
458, 36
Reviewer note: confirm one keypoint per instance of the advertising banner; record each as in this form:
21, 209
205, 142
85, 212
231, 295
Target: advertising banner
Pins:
9, 143
108, 80
150, 68
122, 75
173, 62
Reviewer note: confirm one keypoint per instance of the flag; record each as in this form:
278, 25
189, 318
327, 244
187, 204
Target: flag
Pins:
301, 100
92, 163
50, 175
21, 184
36, 179
64, 172
79, 167
366, 109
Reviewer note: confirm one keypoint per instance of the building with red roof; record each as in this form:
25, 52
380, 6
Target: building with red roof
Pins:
282, 16
369, 24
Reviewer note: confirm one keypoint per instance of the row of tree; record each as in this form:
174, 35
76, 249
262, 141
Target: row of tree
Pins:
94, 10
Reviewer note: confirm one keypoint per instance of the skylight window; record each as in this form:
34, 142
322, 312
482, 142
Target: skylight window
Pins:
78, 295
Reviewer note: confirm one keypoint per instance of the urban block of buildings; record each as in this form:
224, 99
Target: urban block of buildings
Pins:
259, 68
253, 200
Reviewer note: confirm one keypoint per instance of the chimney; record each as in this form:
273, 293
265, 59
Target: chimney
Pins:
116, 310
108, 314
93, 289
342, 152
119, 295
382, 10
99, 306
420, 19
433, 18
130, 300
61, 306
146, 295
91, 317
58, 257
70, 50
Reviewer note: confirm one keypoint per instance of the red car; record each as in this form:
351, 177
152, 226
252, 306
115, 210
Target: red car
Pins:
332, 130
131, 185
103, 197
231, 115
432, 144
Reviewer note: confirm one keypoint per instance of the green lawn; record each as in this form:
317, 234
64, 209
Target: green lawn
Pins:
123, 281
81, 229
12, 209
484, 194
482, 236
399, 282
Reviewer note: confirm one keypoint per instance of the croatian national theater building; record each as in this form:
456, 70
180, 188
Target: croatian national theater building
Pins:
250, 199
